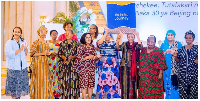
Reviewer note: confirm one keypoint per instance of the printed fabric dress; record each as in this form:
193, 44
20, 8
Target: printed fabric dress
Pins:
150, 87
41, 85
129, 62
54, 69
170, 75
188, 72
85, 69
69, 78
108, 86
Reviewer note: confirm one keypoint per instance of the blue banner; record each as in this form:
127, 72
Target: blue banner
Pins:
121, 15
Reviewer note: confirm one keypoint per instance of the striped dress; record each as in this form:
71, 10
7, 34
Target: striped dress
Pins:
40, 86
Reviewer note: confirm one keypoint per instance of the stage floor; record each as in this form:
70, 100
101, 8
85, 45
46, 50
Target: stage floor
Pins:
3, 83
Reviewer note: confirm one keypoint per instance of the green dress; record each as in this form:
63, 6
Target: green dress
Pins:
150, 87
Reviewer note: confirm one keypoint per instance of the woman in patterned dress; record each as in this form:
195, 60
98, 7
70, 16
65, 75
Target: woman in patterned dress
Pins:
69, 78
16, 50
129, 63
152, 64
41, 85
53, 65
170, 75
108, 86
84, 65
187, 59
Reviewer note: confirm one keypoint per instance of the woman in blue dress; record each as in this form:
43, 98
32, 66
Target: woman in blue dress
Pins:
170, 75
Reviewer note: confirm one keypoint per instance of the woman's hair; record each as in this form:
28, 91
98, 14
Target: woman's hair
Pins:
66, 23
153, 37
70, 31
52, 31
191, 33
22, 39
97, 31
82, 40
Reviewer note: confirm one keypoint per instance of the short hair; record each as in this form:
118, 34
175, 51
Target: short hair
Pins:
66, 23
97, 31
71, 31
82, 40
52, 31
153, 37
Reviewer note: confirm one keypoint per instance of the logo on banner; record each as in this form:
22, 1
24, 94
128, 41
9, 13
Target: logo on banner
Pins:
121, 13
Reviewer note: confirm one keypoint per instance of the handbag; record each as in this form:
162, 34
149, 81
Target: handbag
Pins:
174, 80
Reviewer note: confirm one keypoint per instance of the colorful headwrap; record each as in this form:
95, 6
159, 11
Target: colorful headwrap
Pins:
191, 33
166, 43
41, 28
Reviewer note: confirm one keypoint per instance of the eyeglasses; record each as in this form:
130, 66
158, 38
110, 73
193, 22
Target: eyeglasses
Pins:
92, 28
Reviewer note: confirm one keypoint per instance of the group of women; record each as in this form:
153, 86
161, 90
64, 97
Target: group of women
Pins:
64, 68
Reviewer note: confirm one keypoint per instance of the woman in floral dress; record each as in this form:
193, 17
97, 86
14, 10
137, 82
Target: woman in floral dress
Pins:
53, 63
108, 86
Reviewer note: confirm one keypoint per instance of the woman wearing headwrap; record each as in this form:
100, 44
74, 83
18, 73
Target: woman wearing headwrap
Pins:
187, 58
41, 87
170, 75
152, 65
129, 63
